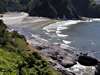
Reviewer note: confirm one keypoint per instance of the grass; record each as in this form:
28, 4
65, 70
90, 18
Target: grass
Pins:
35, 65
9, 61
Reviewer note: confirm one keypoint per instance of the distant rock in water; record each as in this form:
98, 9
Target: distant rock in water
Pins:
87, 61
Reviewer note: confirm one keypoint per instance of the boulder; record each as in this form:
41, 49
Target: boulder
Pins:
87, 60
67, 63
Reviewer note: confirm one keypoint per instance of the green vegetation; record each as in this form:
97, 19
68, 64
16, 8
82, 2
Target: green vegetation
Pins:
15, 59
63, 9
12, 63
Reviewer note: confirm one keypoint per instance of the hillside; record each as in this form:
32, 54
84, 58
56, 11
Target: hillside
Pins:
63, 9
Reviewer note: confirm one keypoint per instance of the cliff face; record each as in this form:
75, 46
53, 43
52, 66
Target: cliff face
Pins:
87, 8
64, 9
53, 9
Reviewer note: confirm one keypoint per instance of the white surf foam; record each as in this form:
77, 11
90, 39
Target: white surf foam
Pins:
60, 25
66, 42
61, 28
64, 46
92, 20
96, 19
58, 32
62, 35
82, 70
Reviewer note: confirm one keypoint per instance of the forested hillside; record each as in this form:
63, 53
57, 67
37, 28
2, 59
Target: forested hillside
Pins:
65, 9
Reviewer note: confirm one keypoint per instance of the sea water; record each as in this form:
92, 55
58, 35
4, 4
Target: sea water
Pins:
84, 36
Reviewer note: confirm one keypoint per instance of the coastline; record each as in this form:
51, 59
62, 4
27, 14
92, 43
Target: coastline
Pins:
48, 50
51, 52
54, 51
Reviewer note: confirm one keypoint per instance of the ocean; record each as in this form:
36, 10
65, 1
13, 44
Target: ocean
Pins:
84, 36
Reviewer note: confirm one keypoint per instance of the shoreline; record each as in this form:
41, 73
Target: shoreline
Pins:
59, 58
53, 53
57, 65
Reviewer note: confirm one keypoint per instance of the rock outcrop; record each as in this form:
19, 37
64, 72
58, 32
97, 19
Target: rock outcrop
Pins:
87, 60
